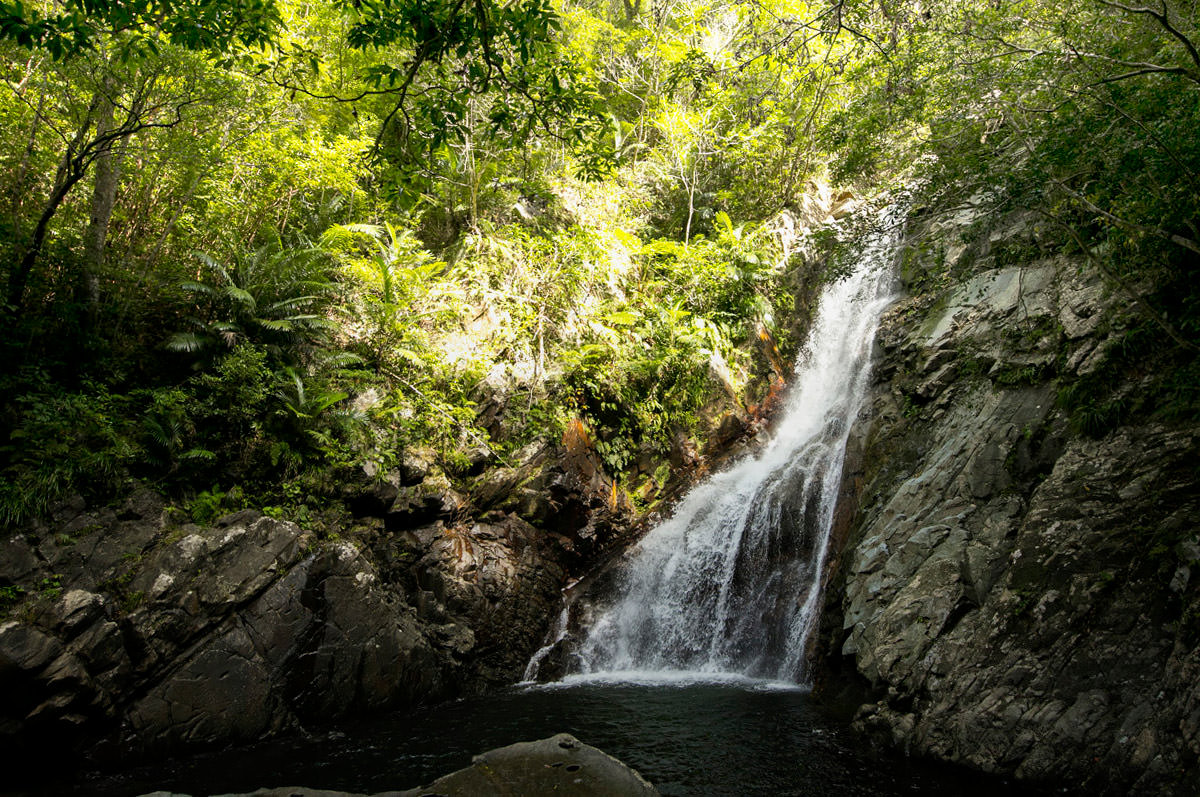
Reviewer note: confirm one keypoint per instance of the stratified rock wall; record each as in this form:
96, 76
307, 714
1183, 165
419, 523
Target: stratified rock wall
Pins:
1013, 596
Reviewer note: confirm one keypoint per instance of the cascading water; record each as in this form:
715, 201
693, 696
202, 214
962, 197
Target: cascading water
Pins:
730, 584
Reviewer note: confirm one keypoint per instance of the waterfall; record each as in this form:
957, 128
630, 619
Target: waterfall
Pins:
730, 584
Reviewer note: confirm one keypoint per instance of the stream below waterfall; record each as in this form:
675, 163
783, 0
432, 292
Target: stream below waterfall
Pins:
734, 738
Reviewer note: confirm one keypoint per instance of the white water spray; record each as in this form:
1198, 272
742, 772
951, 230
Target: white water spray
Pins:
731, 583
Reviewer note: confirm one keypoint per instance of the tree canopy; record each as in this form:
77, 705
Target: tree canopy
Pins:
242, 238
73, 27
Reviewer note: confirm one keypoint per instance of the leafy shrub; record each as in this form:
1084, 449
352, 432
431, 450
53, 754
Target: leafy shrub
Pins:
65, 443
209, 505
274, 296
232, 397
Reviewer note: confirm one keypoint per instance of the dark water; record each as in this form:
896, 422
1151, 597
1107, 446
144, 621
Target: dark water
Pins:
686, 740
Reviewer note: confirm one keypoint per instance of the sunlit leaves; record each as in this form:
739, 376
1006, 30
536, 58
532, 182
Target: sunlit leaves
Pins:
71, 27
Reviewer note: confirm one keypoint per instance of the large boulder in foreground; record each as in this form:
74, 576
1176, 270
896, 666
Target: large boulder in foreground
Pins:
559, 765
555, 766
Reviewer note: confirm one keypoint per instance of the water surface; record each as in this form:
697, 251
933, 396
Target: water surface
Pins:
731, 736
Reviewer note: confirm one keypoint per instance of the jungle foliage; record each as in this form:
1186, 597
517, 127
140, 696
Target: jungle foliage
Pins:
262, 242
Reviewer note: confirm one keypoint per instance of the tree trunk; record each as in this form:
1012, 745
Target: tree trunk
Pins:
20, 277
22, 176
104, 196
70, 171
687, 227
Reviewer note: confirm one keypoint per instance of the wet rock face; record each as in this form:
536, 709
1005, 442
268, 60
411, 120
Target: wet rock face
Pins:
149, 637
322, 638
238, 630
1012, 596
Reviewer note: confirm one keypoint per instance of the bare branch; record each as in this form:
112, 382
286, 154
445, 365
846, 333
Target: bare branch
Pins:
1150, 70
1164, 20
1175, 238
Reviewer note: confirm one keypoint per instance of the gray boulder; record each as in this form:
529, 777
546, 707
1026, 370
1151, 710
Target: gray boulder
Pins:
559, 765
555, 766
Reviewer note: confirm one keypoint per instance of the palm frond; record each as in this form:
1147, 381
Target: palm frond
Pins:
188, 342
197, 287
241, 296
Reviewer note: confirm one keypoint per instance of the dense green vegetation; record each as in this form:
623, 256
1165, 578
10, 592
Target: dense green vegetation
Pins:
259, 243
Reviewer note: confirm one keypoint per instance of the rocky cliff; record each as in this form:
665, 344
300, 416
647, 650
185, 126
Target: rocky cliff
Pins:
1010, 593
136, 633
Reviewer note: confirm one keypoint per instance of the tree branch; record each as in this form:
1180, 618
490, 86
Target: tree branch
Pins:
1138, 301
1164, 20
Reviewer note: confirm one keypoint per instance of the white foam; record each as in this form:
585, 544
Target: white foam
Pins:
669, 678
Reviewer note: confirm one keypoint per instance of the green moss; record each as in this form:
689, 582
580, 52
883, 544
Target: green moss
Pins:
934, 314
1015, 252
1145, 375
1020, 375
1026, 599
118, 585
10, 596
909, 408
50, 587
131, 601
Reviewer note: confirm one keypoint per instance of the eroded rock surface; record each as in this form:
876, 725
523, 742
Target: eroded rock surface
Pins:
141, 635
1014, 596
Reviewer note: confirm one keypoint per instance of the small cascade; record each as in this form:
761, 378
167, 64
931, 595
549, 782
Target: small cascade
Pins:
730, 584
558, 632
